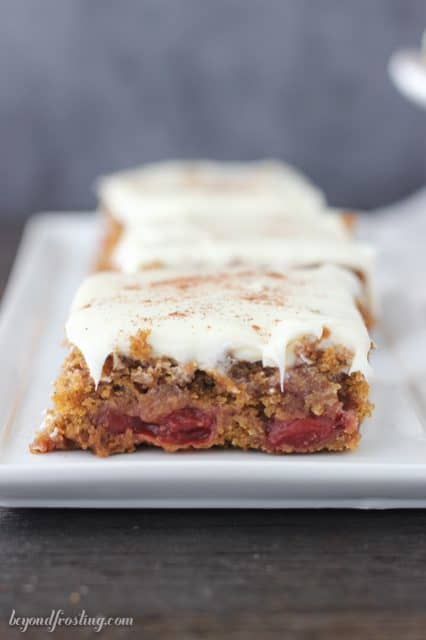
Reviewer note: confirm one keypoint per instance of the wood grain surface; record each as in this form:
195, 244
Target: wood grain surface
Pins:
215, 574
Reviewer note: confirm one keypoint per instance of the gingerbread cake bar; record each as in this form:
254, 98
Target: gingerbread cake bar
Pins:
211, 215
253, 359
198, 195
278, 242
202, 188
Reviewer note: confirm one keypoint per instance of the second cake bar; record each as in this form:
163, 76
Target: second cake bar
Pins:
209, 215
177, 196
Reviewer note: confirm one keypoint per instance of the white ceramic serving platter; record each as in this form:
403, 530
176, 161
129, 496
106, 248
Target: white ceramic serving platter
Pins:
388, 469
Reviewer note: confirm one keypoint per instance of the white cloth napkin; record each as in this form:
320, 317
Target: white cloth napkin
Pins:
399, 233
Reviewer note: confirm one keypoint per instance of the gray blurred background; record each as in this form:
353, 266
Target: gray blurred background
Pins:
91, 86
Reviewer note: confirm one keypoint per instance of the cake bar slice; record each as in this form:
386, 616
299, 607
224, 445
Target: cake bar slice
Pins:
278, 242
202, 188
203, 214
248, 358
176, 194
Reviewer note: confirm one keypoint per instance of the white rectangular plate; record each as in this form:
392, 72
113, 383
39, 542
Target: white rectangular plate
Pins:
388, 469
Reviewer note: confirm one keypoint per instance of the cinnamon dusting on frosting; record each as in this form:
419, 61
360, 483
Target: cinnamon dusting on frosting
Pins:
210, 317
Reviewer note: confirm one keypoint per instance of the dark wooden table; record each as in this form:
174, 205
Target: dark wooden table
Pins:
215, 574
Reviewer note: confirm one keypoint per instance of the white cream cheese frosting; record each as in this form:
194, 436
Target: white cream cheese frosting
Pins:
207, 318
278, 242
203, 188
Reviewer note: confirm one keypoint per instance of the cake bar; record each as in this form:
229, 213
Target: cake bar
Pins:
202, 188
201, 193
278, 243
208, 215
247, 358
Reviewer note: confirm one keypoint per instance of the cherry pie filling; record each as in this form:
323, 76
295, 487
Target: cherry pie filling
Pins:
187, 426
312, 431
191, 426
